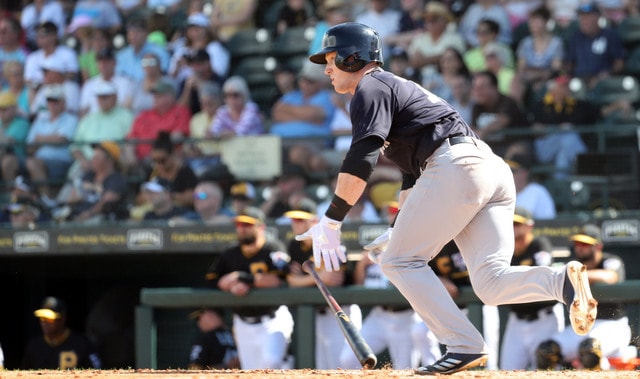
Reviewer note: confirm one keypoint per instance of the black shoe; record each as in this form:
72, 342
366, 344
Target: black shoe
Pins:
453, 362
583, 308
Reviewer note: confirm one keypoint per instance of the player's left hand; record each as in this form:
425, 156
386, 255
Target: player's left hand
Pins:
378, 245
325, 236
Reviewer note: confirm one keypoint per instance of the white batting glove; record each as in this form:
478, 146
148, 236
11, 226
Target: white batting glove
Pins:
326, 243
378, 245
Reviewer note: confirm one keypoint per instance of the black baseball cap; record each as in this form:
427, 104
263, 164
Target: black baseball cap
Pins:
588, 8
52, 308
589, 234
522, 216
106, 53
251, 215
304, 210
199, 55
47, 27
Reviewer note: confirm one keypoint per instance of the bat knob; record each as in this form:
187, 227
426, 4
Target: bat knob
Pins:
370, 363
308, 266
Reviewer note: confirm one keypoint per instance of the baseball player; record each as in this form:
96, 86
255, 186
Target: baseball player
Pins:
328, 337
213, 346
611, 333
262, 333
448, 172
531, 323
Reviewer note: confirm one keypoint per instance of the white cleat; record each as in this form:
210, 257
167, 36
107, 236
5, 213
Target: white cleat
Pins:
584, 308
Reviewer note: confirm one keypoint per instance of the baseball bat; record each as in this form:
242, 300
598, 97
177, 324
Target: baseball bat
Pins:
360, 348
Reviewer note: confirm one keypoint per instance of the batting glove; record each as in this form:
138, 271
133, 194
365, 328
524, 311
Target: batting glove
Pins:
378, 246
326, 243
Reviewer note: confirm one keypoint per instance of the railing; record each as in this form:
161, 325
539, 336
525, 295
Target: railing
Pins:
303, 302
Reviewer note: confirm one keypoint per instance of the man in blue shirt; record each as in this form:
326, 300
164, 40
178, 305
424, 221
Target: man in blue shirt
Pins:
129, 59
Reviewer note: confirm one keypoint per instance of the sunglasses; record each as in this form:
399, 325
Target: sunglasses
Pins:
200, 195
149, 62
232, 94
240, 198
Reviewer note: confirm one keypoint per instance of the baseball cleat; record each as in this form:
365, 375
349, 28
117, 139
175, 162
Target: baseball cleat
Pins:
583, 308
453, 362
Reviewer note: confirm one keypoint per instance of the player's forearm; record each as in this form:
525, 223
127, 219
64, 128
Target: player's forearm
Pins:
350, 187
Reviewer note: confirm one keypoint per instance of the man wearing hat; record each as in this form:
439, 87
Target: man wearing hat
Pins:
200, 72
129, 58
124, 86
24, 212
530, 195
49, 48
593, 52
59, 347
157, 192
529, 323
55, 73
262, 333
213, 346
166, 115
243, 195
13, 135
611, 333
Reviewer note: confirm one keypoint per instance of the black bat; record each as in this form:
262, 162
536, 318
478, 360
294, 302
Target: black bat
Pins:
359, 346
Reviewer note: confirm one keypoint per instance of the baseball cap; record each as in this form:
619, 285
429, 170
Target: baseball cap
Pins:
137, 22
195, 314
7, 99
562, 79
106, 53
199, 55
110, 148
251, 215
198, 19
588, 8
79, 21
522, 216
518, 161
54, 91
53, 64
304, 210
243, 190
22, 183
157, 185
52, 308
163, 87
589, 234
23, 203
104, 88
436, 8
47, 27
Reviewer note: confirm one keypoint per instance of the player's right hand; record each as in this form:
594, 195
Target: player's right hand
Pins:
378, 245
325, 236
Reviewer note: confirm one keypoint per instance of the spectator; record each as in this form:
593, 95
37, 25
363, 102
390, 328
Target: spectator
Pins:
59, 347
202, 154
519, 10
99, 41
531, 196
231, 16
79, 31
611, 333
213, 346
22, 188
461, 93
563, 12
332, 12
399, 64
496, 60
294, 13
208, 200
39, 12
487, 32
103, 190
410, 26
262, 333
329, 338
13, 135
480, 11
13, 72
49, 156
383, 18
426, 48
539, 54
198, 36
239, 116
439, 81
143, 98
284, 76
54, 75
307, 111
593, 53
200, 73
529, 323
165, 115
293, 180
493, 112
110, 122
157, 193
124, 87
11, 46
102, 14
24, 213
130, 59
49, 49
243, 195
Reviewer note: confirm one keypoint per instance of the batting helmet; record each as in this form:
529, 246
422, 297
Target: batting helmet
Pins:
356, 45
590, 353
548, 355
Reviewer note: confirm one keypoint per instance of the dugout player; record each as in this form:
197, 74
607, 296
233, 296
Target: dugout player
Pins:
59, 347
530, 323
213, 346
262, 333
454, 188
611, 333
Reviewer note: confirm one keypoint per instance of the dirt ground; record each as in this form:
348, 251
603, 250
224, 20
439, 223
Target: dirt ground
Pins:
307, 374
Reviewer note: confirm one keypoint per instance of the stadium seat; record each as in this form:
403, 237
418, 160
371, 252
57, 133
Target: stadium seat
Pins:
294, 41
256, 70
614, 88
250, 42
629, 31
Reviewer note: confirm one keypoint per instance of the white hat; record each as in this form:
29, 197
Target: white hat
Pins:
104, 88
78, 22
198, 19
53, 64
54, 91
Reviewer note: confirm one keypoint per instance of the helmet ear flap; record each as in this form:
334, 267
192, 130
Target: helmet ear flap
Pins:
351, 63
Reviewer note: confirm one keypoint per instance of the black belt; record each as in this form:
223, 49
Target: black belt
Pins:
460, 139
533, 316
397, 308
256, 319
